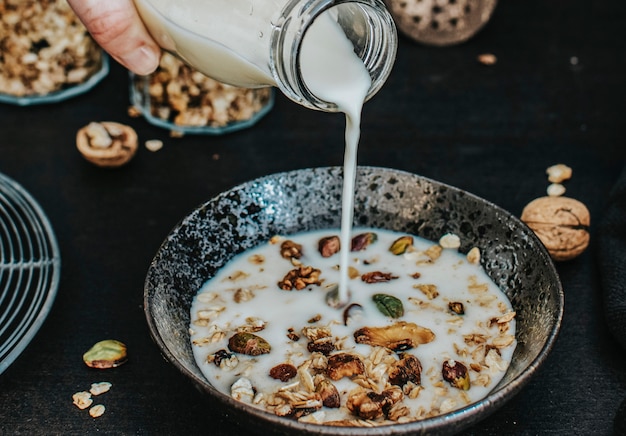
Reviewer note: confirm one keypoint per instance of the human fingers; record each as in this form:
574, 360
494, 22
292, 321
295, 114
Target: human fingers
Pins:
116, 26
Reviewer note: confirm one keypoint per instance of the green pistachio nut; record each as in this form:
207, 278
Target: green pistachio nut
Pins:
388, 305
106, 354
400, 245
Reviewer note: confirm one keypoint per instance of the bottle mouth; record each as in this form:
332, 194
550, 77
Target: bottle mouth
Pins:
367, 25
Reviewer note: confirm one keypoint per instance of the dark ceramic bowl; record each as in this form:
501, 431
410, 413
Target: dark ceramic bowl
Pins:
310, 199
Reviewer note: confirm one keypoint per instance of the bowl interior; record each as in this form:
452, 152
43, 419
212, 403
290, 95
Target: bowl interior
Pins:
310, 199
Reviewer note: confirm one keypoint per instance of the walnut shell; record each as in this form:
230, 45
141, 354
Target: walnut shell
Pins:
107, 144
561, 223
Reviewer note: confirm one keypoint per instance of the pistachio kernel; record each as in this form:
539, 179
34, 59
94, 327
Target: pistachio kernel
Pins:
456, 374
249, 344
362, 241
400, 245
106, 354
388, 305
329, 245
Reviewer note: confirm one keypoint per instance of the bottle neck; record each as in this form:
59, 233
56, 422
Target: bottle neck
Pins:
367, 25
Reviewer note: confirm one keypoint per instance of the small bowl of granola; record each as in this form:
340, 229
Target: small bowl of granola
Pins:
453, 304
48, 55
185, 101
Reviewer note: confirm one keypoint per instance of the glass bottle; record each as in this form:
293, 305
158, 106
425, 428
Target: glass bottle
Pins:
256, 43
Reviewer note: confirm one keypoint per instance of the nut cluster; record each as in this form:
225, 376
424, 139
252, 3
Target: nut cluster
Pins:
184, 97
45, 48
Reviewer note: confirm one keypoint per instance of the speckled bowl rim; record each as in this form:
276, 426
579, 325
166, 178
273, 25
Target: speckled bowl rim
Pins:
449, 423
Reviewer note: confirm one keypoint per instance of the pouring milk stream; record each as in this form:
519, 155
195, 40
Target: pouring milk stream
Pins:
325, 67
339, 76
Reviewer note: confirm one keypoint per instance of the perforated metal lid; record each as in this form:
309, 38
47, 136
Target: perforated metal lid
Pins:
441, 22
30, 265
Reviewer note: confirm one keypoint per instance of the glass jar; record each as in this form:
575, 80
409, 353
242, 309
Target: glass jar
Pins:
253, 43
47, 54
183, 100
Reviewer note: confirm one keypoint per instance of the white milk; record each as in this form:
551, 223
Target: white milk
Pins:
338, 76
217, 313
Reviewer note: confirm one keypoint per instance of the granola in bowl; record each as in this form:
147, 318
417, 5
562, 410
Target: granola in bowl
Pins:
425, 332
47, 54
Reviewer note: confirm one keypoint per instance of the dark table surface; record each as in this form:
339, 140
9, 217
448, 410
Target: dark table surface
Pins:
556, 95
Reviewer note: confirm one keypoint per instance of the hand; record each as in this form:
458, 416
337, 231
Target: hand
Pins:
116, 26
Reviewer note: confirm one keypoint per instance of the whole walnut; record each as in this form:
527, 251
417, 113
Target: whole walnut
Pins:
561, 223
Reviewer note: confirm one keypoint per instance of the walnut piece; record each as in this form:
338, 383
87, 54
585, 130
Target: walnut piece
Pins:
299, 278
290, 250
370, 405
344, 365
107, 144
407, 369
561, 223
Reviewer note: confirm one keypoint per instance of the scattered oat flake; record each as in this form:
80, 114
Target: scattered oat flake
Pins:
97, 411
473, 256
559, 173
82, 400
154, 144
555, 190
487, 59
100, 388
450, 240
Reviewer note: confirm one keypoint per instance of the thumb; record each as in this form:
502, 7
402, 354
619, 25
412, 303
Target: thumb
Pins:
116, 26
